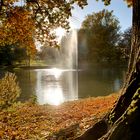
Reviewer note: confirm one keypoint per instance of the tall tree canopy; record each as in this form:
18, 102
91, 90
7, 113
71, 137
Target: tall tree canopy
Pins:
124, 45
103, 32
34, 19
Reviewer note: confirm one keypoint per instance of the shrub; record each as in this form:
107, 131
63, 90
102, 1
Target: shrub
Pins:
9, 90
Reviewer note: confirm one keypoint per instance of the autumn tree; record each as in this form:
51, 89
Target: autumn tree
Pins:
122, 122
14, 28
33, 21
102, 34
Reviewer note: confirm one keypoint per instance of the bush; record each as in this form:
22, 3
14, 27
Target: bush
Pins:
9, 90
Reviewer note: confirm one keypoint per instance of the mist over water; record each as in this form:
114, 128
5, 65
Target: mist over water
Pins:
64, 82
49, 86
67, 55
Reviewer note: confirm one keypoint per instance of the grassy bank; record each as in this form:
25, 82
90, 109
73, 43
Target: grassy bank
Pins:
35, 122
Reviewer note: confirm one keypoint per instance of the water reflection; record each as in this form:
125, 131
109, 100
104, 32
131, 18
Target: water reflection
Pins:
117, 84
55, 86
100, 81
54, 72
51, 89
52, 95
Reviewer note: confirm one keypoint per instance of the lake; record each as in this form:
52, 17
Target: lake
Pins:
55, 86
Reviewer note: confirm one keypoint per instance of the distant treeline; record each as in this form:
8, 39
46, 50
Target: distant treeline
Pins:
101, 41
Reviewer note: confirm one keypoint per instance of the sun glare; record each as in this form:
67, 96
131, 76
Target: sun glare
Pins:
54, 95
60, 32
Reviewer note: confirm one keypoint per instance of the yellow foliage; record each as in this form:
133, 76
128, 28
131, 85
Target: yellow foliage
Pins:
18, 27
9, 90
129, 2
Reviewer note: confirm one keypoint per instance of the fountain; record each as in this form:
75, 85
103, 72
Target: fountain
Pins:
57, 85
69, 51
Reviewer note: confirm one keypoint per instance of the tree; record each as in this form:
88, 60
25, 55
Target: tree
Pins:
35, 19
6, 55
82, 46
9, 91
122, 122
124, 45
10, 54
49, 54
14, 28
103, 32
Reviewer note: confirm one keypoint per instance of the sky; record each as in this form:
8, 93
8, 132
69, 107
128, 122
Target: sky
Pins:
121, 11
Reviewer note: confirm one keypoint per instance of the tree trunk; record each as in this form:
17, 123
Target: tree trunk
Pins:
124, 118
127, 127
130, 87
123, 122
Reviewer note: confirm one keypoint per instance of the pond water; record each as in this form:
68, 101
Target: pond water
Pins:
55, 86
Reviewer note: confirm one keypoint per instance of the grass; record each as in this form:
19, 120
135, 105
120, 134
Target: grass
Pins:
40, 122
38, 63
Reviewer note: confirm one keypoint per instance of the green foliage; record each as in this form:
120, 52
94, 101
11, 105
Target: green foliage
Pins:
134, 104
124, 45
10, 54
102, 35
33, 99
6, 55
48, 53
9, 90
